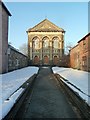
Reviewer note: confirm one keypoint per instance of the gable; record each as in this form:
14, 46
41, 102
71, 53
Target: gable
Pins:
45, 26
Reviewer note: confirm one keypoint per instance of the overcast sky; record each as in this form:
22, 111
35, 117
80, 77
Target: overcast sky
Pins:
71, 16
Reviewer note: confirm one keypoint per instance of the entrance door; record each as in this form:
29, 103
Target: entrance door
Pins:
36, 60
55, 60
46, 60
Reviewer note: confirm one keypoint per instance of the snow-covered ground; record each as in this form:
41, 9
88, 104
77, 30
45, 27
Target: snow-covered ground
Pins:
80, 80
9, 83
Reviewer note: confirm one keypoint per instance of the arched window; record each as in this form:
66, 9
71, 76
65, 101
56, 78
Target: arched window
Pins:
36, 43
56, 42
45, 42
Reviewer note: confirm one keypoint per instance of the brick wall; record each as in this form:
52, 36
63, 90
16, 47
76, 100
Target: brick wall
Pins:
80, 54
74, 57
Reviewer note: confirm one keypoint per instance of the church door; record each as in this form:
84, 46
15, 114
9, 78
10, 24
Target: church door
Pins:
55, 60
36, 60
46, 60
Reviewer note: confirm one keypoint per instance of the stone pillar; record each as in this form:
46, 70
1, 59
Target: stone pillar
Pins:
51, 53
63, 43
40, 51
31, 45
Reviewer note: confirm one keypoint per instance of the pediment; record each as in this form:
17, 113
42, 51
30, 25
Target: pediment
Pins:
45, 26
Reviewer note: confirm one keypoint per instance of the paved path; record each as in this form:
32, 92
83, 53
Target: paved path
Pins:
47, 100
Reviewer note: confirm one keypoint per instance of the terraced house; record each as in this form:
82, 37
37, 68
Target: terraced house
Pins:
80, 54
45, 44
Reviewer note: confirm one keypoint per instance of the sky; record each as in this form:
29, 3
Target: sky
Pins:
71, 16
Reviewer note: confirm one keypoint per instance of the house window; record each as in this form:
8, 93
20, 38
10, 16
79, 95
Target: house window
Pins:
84, 60
17, 62
84, 44
10, 62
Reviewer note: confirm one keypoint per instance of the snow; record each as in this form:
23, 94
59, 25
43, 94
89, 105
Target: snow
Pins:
10, 87
8, 104
77, 80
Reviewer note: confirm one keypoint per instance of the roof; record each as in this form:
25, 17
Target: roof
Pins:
5, 8
45, 26
16, 50
84, 37
74, 47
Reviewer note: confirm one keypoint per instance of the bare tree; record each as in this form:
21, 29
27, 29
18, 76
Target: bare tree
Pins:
24, 48
68, 47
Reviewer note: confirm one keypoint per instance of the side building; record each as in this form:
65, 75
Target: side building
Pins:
16, 59
4, 17
45, 44
10, 58
80, 54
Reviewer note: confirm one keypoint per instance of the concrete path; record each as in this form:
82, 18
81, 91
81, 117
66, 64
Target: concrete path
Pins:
47, 100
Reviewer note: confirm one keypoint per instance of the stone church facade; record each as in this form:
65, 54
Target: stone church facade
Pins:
45, 44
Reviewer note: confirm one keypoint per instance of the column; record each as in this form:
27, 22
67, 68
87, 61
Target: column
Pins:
31, 47
40, 51
51, 53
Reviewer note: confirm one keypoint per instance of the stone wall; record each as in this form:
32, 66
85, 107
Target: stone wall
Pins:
45, 44
4, 15
16, 59
0, 38
45, 55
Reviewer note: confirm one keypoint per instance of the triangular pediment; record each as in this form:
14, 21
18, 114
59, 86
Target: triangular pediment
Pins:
45, 26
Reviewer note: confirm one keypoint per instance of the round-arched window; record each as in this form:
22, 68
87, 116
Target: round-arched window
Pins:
45, 42
36, 43
56, 42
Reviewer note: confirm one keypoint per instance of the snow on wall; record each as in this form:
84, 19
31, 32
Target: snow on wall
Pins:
13, 80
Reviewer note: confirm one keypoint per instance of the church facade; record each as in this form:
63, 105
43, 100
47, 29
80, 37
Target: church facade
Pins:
45, 44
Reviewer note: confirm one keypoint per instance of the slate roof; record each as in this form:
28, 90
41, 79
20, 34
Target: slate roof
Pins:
45, 26
1, 3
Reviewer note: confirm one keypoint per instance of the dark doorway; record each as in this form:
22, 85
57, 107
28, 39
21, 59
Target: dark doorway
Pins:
36, 60
46, 60
55, 60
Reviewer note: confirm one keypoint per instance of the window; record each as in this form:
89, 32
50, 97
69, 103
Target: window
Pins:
84, 60
56, 42
36, 43
10, 62
84, 44
45, 42
17, 62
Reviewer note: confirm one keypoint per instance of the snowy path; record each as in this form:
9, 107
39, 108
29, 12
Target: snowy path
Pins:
78, 78
47, 100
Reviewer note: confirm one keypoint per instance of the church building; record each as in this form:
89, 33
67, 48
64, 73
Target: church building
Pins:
45, 44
